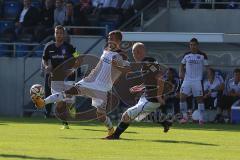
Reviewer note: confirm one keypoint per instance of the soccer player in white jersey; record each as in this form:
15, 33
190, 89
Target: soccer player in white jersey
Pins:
191, 72
231, 94
99, 82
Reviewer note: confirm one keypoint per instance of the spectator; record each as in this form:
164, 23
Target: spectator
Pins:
69, 18
47, 21
213, 88
84, 8
27, 19
59, 13
231, 95
106, 6
81, 11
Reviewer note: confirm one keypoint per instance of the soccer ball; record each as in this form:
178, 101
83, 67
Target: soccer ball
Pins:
37, 91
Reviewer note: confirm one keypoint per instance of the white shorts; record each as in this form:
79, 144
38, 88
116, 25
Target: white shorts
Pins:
99, 98
192, 87
142, 109
59, 86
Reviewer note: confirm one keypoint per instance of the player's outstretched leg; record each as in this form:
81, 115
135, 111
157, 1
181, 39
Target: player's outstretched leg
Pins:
57, 97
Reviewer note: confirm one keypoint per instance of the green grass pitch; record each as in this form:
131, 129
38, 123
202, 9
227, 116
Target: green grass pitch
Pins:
41, 139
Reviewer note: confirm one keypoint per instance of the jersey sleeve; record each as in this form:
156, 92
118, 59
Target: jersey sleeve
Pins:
46, 55
184, 61
205, 59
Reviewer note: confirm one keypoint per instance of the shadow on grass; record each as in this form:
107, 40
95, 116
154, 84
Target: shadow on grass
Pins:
208, 127
167, 141
184, 142
99, 130
27, 157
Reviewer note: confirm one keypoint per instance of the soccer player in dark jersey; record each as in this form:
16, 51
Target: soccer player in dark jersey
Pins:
56, 53
151, 99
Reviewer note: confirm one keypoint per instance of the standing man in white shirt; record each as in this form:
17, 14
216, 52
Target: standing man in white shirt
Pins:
191, 72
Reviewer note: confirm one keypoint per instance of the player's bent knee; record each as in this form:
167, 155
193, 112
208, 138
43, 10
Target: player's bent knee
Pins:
126, 118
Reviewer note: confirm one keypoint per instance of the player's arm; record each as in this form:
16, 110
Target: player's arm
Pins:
120, 62
181, 71
122, 68
46, 61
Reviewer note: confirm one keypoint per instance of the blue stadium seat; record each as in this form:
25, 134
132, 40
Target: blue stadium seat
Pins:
21, 50
75, 2
11, 8
5, 25
37, 4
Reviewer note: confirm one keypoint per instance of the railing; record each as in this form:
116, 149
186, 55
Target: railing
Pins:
139, 19
104, 30
21, 49
211, 3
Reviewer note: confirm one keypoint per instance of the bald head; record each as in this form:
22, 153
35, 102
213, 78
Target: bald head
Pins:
139, 51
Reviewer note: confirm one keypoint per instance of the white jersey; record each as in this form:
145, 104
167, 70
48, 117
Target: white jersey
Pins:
105, 75
195, 63
232, 86
207, 85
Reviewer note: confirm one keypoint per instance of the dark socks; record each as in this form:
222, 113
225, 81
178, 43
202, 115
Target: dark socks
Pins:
64, 122
120, 129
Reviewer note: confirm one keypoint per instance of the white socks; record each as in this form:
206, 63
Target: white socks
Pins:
183, 109
201, 109
55, 98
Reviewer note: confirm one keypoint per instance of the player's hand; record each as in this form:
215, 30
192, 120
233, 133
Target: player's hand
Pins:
136, 89
48, 69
